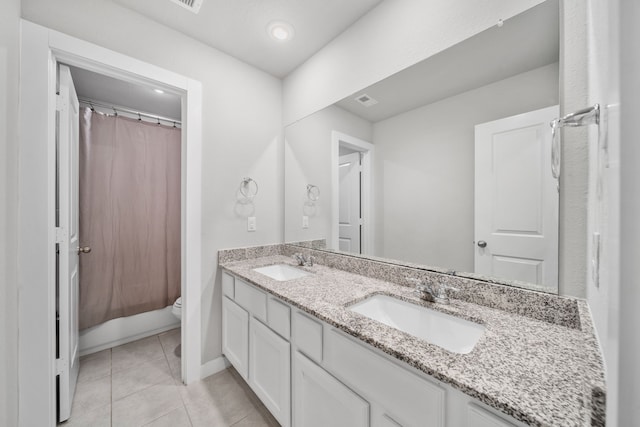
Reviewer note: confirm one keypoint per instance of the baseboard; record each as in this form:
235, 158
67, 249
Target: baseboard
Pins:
214, 366
126, 329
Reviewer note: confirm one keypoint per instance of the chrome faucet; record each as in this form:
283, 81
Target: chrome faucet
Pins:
303, 261
432, 292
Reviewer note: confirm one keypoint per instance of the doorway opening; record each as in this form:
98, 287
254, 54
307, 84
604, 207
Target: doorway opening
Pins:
42, 51
352, 218
118, 194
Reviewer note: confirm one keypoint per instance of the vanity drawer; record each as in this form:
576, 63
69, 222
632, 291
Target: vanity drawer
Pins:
251, 299
307, 335
279, 317
227, 285
407, 398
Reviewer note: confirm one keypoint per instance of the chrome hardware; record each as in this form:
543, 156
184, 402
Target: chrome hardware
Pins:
482, 244
84, 250
432, 292
303, 261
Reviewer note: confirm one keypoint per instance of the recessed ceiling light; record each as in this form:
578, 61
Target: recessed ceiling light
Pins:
158, 91
280, 30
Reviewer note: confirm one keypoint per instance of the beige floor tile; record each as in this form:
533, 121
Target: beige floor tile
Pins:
129, 355
145, 406
170, 341
141, 376
218, 398
99, 417
95, 365
176, 418
91, 395
258, 418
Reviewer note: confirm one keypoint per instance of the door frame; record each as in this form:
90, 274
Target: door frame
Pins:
41, 48
366, 161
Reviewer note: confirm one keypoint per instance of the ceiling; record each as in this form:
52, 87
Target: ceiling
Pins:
525, 42
239, 27
97, 87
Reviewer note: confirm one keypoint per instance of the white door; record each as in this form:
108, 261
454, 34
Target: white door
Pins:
516, 199
349, 203
320, 400
68, 243
270, 370
235, 336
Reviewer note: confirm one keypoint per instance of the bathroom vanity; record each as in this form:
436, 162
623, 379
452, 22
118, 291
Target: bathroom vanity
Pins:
314, 360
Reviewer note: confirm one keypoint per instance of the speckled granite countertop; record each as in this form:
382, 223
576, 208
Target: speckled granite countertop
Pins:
539, 373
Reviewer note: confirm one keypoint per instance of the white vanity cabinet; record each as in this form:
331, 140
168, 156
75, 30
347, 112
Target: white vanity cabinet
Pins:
261, 354
308, 373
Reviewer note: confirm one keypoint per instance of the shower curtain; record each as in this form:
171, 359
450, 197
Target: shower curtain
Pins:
129, 216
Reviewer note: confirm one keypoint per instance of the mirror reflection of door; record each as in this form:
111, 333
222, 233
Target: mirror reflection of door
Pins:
516, 199
349, 211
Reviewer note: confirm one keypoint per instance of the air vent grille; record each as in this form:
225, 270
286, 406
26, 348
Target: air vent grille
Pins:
366, 100
192, 5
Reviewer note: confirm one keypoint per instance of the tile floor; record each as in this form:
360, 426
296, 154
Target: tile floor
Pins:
138, 384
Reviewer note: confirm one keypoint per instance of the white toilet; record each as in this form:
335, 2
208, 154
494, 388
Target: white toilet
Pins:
177, 308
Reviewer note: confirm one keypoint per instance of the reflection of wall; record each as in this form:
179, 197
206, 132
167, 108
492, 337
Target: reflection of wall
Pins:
424, 189
394, 35
308, 161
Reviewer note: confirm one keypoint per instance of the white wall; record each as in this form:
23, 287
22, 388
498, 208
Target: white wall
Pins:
9, 70
308, 161
391, 37
424, 188
241, 128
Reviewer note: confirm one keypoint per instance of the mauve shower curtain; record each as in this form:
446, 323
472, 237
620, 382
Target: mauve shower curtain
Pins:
129, 215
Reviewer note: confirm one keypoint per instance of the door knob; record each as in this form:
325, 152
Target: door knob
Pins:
84, 250
482, 244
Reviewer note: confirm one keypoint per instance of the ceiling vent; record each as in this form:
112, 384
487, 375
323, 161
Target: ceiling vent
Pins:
192, 5
366, 100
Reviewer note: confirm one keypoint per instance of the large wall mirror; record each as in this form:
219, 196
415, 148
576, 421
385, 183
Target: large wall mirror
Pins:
446, 164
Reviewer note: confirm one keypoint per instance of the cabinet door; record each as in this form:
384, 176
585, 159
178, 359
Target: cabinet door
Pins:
320, 400
235, 335
270, 370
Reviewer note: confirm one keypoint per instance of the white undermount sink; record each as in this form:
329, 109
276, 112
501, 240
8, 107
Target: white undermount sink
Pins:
446, 331
281, 272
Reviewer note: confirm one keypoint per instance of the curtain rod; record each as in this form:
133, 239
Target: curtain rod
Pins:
114, 108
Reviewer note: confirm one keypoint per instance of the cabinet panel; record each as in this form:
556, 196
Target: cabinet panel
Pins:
478, 417
320, 400
227, 285
251, 299
235, 335
307, 334
270, 370
279, 317
412, 400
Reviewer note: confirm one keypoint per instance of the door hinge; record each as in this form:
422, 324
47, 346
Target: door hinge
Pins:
361, 221
61, 366
60, 102
61, 235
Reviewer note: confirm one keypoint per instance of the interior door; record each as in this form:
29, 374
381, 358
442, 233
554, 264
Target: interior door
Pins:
516, 199
349, 203
68, 242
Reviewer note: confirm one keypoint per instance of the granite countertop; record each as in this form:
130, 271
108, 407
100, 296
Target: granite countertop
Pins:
540, 373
